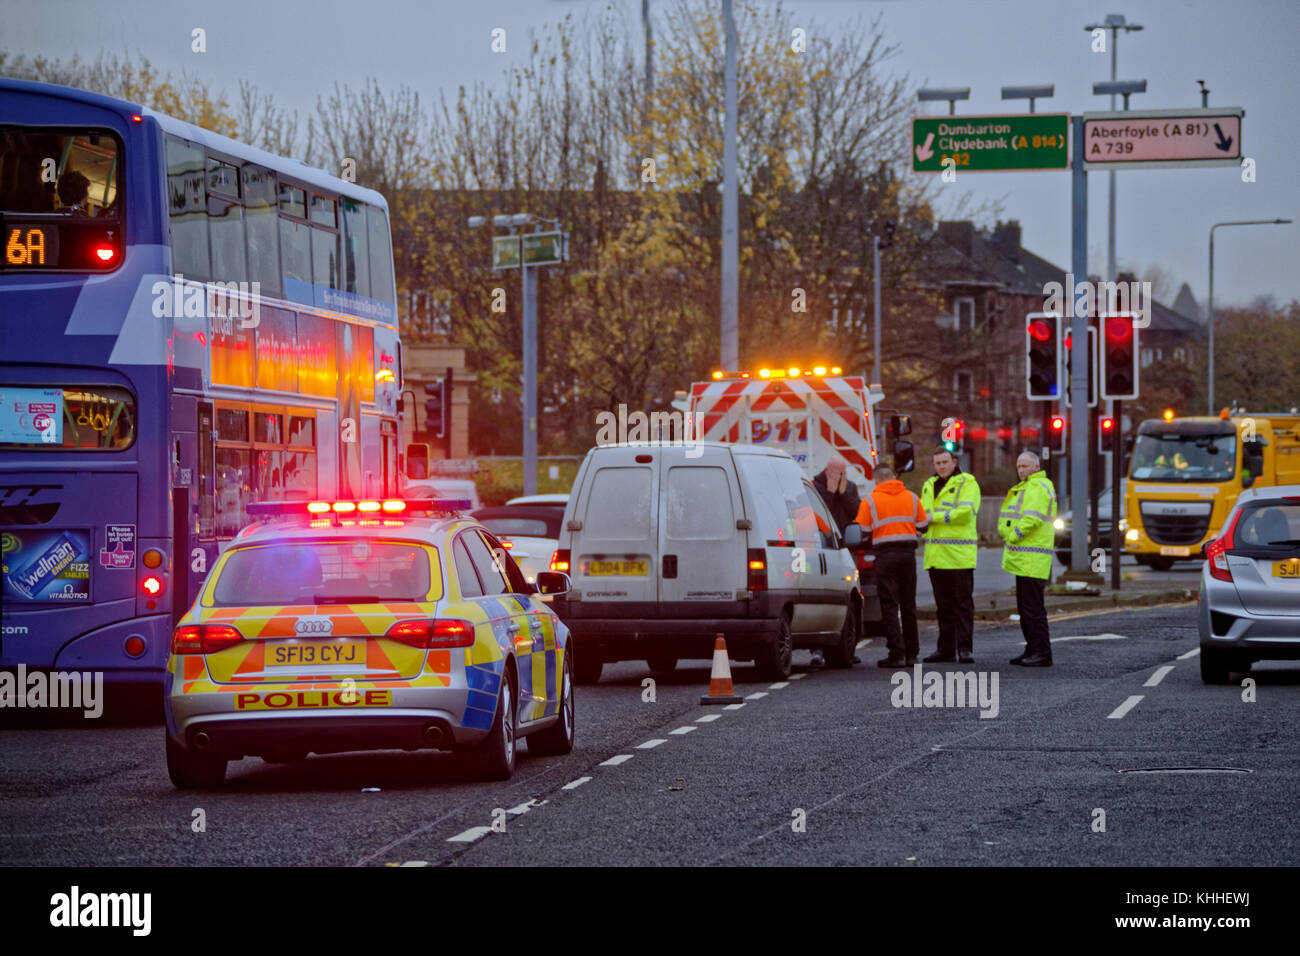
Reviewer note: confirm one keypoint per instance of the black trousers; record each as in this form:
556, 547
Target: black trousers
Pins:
955, 605
896, 585
1033, 615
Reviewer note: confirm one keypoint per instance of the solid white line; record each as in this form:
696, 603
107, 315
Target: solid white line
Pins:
470, 835
707, 718
1160, 674
733, 707
1124, 708
1192, 653
615, 761
757, 695
575, 784
683, 730
778, 685
798, 676
414, 863
650, 744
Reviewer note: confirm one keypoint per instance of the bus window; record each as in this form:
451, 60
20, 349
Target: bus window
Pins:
100, 418
295, 251
260, 230
356, 248
325, 258
187, 205
88, 160
269, 475
232, 424
267, 428
234, 489
381, 256
226, 238
300, 462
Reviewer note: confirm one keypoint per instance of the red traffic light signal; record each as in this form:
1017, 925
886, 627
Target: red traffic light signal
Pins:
1042, 356
1058, 434
1106, 430
1119, 357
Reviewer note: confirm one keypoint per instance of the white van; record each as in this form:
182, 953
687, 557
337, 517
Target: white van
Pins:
668, 546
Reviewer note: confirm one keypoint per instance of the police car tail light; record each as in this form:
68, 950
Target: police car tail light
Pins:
756, 570
204, 638
445, 632
1216, 552
560, 560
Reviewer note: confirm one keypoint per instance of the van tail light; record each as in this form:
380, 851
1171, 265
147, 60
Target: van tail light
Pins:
560, 560
1216, 552
756, 569
431, 634
204, 638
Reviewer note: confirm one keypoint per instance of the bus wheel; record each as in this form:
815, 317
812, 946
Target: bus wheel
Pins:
193, 771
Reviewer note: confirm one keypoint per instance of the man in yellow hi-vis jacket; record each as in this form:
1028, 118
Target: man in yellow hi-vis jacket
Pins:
952, 500
1025, 524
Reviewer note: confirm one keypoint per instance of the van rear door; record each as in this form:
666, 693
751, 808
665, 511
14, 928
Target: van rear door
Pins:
701, 551
615, 546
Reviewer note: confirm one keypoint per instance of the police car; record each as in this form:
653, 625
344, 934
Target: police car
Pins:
366, 625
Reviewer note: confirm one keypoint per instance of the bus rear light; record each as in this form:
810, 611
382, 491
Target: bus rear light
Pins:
204, 638
134, 645
152, 585
152, 558
560, 560
756, 570
433, 634
105, 253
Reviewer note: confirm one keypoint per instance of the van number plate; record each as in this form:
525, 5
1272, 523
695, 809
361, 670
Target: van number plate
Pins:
635, 569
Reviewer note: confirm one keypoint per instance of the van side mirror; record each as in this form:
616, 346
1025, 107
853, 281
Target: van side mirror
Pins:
903, 457
553, 582
853, 535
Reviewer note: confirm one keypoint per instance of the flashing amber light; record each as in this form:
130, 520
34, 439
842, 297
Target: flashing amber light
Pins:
367, 505
318, 507
152, 585
105, 253
1224, 414
320, 523
757, 565
394, 506
560, 560
744, 375
1169, 414
764, 373
717, 375
152, 558
835, 370
794, 373
344, 507
820, 370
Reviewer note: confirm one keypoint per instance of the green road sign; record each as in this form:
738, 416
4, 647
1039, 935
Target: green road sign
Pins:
505, 252
543, 248
984, 144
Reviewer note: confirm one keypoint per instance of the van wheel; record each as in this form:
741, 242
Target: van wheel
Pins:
193, 771
1215, 665
557, 738
773, 660
841, 655
587, 668
662, 663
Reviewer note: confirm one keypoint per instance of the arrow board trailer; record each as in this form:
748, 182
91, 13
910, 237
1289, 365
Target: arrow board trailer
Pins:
810, 416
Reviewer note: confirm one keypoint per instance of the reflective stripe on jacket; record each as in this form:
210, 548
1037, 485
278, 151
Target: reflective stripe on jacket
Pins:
893, 514
951, 541
1025, 524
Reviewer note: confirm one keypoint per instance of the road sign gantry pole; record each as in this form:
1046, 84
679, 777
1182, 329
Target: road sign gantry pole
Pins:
1078, 383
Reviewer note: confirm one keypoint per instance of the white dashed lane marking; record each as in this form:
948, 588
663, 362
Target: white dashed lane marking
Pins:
651, 744
757, 695
414, 863
615, 761
1125, 707
683, 730
778, 685
1160, 674
575, 784
707, 718
798, 676
1192, 653
733, 707
470, 835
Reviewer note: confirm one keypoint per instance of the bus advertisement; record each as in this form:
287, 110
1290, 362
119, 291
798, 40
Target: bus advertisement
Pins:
187, 325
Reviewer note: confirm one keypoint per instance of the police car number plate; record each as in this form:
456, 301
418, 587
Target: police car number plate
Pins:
332, 652
620, 568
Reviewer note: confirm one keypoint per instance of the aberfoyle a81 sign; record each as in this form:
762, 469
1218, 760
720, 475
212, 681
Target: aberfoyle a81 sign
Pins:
1162, 138
984, 144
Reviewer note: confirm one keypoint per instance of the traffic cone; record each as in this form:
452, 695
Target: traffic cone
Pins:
720, 691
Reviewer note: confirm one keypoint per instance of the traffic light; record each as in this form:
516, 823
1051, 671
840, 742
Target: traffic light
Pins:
435, 408
1042, 356
1092, 367
1119, 357
1058, 434
1106, 434
954, 431
887, 239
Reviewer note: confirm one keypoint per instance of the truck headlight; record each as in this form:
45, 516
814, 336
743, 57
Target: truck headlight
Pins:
1133, 534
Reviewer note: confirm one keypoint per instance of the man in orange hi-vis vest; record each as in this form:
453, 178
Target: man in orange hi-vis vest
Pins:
896, 519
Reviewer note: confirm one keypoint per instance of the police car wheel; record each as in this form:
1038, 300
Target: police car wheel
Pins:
496, 754
773, 660
557, 738
841, 655
193, 771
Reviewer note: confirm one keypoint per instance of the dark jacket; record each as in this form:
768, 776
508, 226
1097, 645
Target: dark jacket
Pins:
844, 506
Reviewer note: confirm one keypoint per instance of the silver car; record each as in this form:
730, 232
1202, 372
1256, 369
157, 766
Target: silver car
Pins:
1249, 606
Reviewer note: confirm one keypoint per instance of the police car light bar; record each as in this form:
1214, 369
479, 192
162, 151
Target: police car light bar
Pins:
369, 506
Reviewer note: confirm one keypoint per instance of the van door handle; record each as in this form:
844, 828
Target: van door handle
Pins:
823, 560
670, 565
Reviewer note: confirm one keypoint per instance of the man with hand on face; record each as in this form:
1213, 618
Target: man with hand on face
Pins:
952, 499
1025, 524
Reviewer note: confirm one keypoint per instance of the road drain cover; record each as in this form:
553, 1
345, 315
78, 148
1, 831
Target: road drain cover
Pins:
1186, 770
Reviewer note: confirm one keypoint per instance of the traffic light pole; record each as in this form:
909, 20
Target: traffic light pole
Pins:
1116, 472
1078, 384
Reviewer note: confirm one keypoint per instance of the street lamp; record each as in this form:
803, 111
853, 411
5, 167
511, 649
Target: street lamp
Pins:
1246, 222
952, 94
1030, 93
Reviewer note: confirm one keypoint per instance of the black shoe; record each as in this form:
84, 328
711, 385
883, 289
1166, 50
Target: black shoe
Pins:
1036, 660
1017, 660
891, 661
910, 662
937, 658
966, 658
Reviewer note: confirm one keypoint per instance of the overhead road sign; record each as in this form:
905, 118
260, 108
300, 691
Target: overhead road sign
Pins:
544, 248
985, 144
1156, 139
505, 252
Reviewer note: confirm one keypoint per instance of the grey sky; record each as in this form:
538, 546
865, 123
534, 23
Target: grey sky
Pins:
1245, 51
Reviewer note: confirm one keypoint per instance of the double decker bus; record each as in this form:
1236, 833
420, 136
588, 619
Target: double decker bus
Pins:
187, 325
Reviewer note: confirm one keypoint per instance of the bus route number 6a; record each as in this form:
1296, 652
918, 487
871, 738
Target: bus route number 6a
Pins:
25, 247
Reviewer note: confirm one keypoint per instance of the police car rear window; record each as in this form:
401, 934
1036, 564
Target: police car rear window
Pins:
355, 571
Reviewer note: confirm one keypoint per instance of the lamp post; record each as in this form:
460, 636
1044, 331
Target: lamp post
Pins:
1030, 93
952, 94
1245, 222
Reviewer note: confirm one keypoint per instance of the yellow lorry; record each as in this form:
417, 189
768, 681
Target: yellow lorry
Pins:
1186, 473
